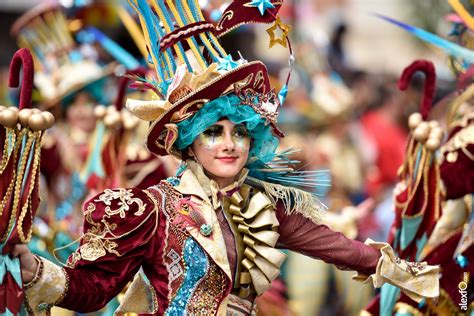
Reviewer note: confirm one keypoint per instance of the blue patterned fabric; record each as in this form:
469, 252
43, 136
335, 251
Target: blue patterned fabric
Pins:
196, 264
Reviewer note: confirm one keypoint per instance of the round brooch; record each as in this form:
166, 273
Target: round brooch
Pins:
205, 230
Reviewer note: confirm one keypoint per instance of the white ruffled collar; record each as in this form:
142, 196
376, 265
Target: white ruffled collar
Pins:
209, 186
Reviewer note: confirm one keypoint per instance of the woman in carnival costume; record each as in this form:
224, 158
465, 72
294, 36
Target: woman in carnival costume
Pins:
207, 241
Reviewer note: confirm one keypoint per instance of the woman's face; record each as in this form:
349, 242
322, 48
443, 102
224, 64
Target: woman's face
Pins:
80, 114
222, 149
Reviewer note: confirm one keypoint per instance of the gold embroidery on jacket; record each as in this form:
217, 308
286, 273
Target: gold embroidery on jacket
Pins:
95, 244
95, 247
126, 199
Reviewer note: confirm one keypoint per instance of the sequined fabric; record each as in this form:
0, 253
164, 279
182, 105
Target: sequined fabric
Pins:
196, 265
209, 291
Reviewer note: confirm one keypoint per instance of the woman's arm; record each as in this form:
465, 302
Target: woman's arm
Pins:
118, 236
375, 262
300, 234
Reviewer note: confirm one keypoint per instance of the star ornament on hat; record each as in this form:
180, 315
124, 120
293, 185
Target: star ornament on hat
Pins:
285, 29
262, 5
192, 68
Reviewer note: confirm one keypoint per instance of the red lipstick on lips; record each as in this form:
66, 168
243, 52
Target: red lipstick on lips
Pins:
227, 159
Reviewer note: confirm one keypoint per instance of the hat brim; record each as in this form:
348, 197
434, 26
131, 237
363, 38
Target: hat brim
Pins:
52, 102
26, 18
252, 75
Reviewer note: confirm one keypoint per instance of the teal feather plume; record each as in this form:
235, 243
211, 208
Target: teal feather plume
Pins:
450, 48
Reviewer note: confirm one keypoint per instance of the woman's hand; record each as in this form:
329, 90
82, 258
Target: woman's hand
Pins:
28, 262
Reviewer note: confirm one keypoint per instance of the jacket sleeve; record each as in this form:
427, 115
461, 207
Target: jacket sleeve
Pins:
119, 226
301, 234
374, 262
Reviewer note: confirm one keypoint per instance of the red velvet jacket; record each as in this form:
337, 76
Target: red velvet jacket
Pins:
126, 229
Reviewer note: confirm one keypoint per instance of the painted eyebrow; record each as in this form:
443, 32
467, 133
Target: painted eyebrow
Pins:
240, 127
214, 127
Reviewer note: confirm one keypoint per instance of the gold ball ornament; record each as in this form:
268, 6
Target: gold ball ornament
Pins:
111, 120
452, 157
432, 144
100, 111
414, 120
37, 122
111, 109
421, 132
2, 107
436, 132
9, 117
36, 111
433, 124
49, 117
129, 121
24, 115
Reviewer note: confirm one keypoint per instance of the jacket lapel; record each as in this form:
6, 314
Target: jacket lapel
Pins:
214, 244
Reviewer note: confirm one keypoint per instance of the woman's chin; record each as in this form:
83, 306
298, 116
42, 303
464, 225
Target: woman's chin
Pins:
225, 170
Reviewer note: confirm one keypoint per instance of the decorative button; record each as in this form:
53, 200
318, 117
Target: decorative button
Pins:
205, 230
43, 306
174, 181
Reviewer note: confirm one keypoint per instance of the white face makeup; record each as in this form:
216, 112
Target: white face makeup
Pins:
215, 136
222, 149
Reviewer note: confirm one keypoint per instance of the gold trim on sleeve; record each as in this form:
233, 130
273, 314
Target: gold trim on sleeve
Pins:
49, 289
417, 280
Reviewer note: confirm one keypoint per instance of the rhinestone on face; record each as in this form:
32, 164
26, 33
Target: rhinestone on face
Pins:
205, 230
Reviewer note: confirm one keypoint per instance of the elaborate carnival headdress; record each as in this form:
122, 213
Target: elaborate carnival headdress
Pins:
192, 67
65, 64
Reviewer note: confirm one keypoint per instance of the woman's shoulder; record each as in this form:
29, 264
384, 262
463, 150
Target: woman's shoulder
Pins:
118, 212
120, 203
116, 221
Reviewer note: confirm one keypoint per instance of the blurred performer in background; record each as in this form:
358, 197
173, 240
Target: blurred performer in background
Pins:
327, 144
71, 80
434, 197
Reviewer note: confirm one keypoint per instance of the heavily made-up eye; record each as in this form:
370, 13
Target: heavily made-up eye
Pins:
240, 131
214, 131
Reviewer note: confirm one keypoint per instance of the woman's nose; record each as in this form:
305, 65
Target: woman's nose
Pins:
229, 142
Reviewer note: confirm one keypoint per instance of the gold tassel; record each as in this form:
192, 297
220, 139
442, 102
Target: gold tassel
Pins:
21, 151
